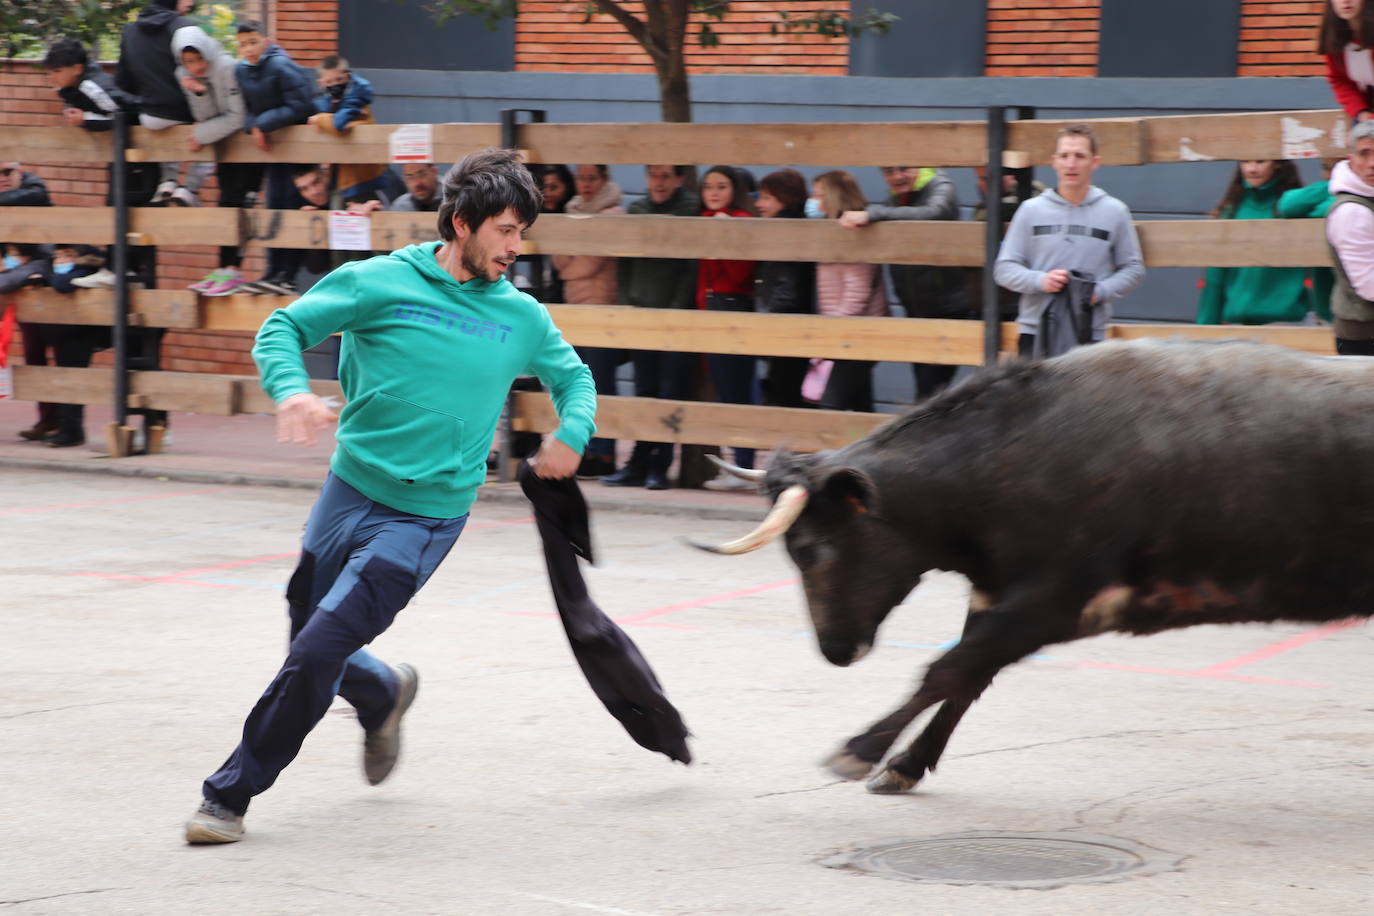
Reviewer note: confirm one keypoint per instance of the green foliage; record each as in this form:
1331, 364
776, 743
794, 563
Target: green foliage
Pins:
834, 24
28, 26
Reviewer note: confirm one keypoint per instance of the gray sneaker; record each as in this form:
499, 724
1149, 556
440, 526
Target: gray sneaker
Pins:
382, 745
214, 823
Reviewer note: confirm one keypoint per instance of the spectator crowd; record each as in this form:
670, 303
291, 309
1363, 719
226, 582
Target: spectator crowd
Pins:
1069, 251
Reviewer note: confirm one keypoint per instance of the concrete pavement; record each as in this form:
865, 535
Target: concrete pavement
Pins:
143, 617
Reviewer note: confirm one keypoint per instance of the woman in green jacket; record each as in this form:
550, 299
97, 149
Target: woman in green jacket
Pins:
1255, 295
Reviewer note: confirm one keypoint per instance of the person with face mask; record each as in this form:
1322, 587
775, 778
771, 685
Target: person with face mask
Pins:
345, 100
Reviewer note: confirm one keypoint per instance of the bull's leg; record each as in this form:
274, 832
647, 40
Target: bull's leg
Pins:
992, 640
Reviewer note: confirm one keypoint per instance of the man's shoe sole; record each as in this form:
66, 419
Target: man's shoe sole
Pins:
201, 834
406, 690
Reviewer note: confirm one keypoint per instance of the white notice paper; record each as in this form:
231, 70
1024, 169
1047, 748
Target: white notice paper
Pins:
349, 231
412, 143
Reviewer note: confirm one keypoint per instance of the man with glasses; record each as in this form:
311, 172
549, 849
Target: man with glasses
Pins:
925, 291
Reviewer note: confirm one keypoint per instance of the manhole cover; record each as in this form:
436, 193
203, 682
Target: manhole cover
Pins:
1030, 860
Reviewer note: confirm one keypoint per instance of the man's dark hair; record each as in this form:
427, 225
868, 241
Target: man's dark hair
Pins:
250, 25
485, 184
301, 171
334, 62
65, 52
678, 170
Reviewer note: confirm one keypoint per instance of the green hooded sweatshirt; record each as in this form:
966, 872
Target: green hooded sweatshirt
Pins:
1253, 295
426, 363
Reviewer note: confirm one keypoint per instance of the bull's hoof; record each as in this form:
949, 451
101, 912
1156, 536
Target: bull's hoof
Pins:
890, 782
846, 766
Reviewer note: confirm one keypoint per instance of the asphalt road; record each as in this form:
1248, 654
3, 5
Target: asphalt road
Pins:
142, 618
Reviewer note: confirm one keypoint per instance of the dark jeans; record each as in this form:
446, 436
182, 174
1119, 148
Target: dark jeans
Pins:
1344, 347
666, 375
736, 382
361, 562
850, 386
236, 181
36, 354
782, 388
603, 362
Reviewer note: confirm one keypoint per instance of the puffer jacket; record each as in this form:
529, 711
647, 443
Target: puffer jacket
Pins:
218, 111
850, 289
276, 91
32, 192
147, 66
350, 106
590, 279
926, 291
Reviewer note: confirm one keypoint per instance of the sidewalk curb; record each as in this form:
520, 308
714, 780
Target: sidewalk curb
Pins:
493, 493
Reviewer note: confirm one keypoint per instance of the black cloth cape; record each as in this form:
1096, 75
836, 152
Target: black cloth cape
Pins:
614, 667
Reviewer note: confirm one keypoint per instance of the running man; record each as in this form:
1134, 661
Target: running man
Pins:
433, 336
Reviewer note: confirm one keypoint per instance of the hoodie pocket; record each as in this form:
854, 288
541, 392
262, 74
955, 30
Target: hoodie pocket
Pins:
406, 442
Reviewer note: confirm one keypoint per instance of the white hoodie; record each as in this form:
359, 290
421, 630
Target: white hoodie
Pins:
218, 112
1350, 230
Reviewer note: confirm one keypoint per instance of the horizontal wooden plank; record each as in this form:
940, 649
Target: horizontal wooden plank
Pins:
1249, 135
1316, 339
156, 308
252, 399
1234, 243
186, 391
703, 423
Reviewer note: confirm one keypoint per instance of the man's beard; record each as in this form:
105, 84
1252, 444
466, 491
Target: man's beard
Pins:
477, 262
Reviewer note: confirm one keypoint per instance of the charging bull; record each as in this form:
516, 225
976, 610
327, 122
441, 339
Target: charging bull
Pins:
1124, 487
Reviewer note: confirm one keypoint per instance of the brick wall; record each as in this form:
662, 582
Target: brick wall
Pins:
553, 35
1042, 37
1280, 38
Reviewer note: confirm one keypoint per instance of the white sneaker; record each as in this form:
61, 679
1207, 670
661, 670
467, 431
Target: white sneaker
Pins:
164, 192
214, 823
183, 197
724, 482
103, 278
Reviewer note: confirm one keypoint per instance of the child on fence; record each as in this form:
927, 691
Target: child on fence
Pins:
276, 94
147, 71
345, 100
208, 78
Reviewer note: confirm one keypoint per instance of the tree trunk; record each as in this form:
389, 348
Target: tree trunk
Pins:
674, 93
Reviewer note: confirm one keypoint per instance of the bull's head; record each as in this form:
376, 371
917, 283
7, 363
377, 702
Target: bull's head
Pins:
856, 566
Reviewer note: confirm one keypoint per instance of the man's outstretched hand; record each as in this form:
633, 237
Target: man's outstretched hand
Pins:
555, 459
300, 418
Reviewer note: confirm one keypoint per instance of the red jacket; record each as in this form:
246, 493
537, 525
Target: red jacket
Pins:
717, 276
1353, 96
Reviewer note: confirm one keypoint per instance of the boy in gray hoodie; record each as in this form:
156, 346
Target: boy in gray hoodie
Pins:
206, 74
1074, 227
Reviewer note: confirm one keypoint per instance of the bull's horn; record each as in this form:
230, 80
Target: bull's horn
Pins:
790, 504
748, 474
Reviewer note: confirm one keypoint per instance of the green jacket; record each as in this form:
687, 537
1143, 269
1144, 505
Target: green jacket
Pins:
426, 363
1312, 201
661, 283
1253, 295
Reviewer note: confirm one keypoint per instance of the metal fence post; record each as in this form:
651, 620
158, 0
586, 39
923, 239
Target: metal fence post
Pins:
119, 197
992, 227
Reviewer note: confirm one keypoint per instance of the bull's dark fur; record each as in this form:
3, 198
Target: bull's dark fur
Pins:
1128, 487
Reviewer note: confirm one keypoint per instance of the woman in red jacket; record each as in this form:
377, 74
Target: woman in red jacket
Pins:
1346, 38
728, 286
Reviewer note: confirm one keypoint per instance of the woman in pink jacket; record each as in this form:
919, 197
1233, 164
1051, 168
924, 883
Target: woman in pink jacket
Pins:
591, 280
846, 289
1346, 38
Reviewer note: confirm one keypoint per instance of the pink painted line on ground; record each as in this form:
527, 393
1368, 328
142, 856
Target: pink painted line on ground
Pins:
513, 521
1280, 647
701, 602
666, 626
158, 579
111, 502
171, 577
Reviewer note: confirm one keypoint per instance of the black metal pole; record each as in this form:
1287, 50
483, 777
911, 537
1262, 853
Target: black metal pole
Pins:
119, 197
992, 239
1025, 181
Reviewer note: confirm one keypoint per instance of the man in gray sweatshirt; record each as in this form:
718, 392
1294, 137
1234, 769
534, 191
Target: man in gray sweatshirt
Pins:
1074, 227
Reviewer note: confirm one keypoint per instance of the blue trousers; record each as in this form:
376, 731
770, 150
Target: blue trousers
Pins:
361, 562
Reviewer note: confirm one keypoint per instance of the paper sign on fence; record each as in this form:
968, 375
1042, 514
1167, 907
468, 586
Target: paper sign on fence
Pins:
412, 143
349, 231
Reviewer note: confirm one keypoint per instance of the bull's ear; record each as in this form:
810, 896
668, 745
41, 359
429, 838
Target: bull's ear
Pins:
849, 489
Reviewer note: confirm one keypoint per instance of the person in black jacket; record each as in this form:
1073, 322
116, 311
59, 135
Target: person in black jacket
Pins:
72, 344
19, 188
785, 287
147, 71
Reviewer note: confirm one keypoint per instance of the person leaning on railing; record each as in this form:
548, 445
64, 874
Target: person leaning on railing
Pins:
726, 285
845, 289
590, 279
19, 188
1350, 233
1254, 295
784, 287
658, 283
925, 291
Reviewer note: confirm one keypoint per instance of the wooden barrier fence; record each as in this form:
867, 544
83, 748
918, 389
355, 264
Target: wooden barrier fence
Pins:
1125, 141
